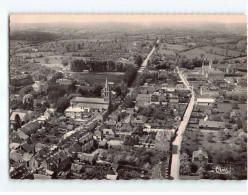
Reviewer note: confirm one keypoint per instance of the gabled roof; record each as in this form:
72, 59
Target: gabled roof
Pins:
199, 152
108, 131
26, 147
22, 135
21, 114
76, 167
15, 156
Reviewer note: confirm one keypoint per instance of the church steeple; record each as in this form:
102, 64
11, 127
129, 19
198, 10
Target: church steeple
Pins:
106, 83
106, 92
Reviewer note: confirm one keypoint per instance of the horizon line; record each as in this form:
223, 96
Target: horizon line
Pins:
125, 18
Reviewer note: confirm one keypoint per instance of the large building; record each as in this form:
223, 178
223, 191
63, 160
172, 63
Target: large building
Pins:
93, 104
211, 73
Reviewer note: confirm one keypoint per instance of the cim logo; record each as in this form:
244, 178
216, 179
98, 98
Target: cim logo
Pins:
222, 170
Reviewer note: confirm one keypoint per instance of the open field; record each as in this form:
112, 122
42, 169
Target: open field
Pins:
176, 47
221, 51
166, 52
193, 53
94, 78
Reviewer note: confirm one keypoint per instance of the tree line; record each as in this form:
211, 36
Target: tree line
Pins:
79, 65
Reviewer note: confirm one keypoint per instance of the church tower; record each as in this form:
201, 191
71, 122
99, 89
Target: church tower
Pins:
106, 92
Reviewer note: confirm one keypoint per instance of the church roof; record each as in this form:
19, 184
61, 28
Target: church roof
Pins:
93, 105
88, 100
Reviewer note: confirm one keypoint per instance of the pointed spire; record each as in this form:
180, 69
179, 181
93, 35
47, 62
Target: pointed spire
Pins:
106, 84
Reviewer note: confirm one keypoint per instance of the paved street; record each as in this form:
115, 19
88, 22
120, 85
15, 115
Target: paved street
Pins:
176, 146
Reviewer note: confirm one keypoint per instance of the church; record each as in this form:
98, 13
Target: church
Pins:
93, 104
211, 73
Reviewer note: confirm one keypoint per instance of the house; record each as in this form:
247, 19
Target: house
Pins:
27, 148
144, 97
205, 101
130, 111
226, 68
42, 119
212, 92
114, 117
214, 125
15, 156
75, 112
37, 86
200, 157
85, 157
98, 134
108, 133
22, 136
24, 117
139, 120
64, 82
112, 173
103, 144
111, 124
111, 177
126, 127
76, 168
39, 146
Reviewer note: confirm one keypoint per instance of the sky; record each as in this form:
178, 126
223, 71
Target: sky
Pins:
146, 19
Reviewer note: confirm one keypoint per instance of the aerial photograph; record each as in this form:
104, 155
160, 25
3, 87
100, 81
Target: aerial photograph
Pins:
127, 97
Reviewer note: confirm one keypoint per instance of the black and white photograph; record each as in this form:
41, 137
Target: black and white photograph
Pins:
127, 97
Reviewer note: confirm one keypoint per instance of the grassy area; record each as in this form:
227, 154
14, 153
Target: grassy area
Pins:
221, 51
176, 47
197, 53
100, 78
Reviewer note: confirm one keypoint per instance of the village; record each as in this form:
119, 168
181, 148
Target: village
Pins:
135, 114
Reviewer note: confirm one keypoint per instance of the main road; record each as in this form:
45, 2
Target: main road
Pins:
176, 145
145, 62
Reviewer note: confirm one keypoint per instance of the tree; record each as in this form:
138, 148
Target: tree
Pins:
62, 104
25, 90
138, 60
64, 62
210, 137
97, 90
17, 123
46, 60
193, 168
57, 75
131, 141
28, 102
15, 104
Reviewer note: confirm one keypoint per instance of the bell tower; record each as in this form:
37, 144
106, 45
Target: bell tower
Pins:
106, 92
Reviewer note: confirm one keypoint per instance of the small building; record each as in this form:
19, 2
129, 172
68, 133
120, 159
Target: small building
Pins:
200, 157
213, 125
205, 101
85, 157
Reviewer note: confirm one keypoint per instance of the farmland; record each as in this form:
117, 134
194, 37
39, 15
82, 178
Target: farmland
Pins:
197, 52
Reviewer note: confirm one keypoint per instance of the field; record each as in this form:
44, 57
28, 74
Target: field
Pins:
221, 51
99, 78
170, 49
193, 53
166, 52
175, 47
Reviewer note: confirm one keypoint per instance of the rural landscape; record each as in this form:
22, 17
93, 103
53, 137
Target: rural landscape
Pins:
127, 100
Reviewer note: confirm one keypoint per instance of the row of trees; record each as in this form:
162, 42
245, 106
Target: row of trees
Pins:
99, 65
34, 36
